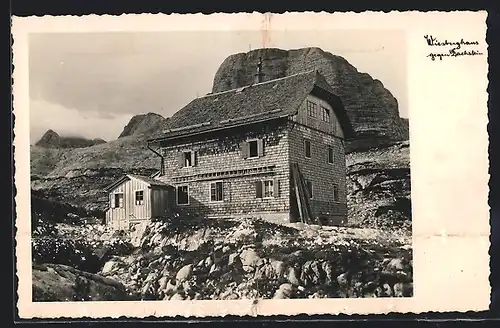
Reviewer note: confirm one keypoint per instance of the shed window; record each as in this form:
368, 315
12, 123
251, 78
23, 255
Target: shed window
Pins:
307, 148
118, 200
182, 195
312, 109
330, 155
139, 197
216, 191
325, 114
309, 188
336, 192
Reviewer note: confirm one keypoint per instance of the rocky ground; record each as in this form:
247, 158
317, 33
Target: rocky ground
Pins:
182, 258
379, 188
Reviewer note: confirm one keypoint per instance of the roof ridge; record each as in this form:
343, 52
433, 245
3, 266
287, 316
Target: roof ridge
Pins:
261, 83
285, 77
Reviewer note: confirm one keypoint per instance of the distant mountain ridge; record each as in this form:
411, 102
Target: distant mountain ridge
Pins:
52, 139
143, 124
78, 175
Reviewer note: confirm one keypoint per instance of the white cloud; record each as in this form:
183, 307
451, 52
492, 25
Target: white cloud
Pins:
71, 122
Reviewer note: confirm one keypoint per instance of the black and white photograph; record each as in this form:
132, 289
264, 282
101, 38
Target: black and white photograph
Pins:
250, 164
220, 169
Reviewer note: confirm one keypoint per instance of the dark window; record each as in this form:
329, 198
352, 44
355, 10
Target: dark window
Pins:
309, 187
139, 197
188, 158
312, 109
216, 191
330, 155
119, 200
325, 114
307, 148
253, 148
336, 192
182, 195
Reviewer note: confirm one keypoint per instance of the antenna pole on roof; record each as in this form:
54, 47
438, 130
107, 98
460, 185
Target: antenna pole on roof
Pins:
259, 74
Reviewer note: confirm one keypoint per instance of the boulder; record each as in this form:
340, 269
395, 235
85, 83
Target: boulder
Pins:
233, 259
56, 282
293, 276
184, 273
284, 291
249, 258
278, 268
110, 267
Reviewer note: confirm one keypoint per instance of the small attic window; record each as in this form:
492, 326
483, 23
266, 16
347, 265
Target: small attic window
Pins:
275, 86
325, 114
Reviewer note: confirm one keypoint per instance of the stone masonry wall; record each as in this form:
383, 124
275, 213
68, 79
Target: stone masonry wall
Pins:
239, 195
322, 174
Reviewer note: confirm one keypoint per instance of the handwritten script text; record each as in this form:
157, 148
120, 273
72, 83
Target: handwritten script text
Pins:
456, 48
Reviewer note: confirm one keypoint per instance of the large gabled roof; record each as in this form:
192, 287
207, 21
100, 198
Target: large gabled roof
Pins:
147, 180
261, 101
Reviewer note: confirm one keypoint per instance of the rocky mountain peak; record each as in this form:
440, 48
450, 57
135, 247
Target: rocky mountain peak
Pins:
372, 108
143, 124
52, 139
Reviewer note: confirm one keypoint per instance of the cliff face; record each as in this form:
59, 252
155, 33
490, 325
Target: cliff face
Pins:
373, 110
52, 140
143, 124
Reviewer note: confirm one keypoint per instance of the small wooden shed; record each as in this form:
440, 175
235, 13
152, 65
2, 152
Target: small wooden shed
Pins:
134, 199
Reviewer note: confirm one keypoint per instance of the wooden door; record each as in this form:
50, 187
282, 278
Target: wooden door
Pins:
119, 210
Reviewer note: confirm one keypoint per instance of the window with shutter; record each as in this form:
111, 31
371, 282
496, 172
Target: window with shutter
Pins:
253, 151
268, 188
189, 158
276, 191
258, 189
260, 148
180, 159
244, 149
195, 158
216, 191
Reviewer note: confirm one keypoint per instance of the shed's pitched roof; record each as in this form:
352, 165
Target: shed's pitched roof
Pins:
261, 101
148, 180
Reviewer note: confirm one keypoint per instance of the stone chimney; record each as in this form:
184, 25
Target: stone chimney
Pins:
259, 76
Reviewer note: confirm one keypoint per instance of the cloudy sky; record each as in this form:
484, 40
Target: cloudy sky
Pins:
91, 84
